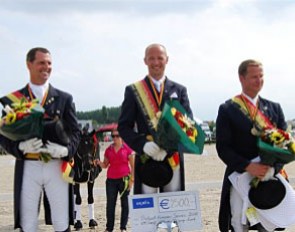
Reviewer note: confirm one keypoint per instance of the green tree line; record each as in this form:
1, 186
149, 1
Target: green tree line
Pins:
107, 115
101, 116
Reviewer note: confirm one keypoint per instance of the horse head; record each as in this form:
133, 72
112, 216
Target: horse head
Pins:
87, 148
86, 154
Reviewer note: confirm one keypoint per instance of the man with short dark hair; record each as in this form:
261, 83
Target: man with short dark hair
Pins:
237, 144
32, 175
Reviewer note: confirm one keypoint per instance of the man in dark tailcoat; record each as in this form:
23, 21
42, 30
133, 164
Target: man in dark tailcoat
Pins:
32, 175
237, 146
141, 103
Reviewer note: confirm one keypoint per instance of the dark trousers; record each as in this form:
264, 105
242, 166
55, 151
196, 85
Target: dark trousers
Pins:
113, 187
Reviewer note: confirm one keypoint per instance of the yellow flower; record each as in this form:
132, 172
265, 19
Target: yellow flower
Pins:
194, 136
277, 138
173, 111
292, 147
10, 118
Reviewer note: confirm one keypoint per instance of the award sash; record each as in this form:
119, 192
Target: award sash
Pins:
256, 116
252, 112
15, 96
147, 104
150, 108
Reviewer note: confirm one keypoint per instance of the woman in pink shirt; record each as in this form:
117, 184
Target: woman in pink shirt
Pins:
119, 160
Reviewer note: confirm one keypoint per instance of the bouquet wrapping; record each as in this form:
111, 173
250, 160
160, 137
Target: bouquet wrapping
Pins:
270, 154
174, 132
23, 121
275, 146
177, 132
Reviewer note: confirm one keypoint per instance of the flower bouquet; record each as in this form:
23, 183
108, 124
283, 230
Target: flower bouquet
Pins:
23, 120
177, 132
275, 146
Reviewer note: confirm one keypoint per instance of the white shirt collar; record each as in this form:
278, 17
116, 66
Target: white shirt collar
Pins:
39, 90
158, 83
252, 100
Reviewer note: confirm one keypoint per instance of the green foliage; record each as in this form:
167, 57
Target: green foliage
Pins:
101, 116
211, 125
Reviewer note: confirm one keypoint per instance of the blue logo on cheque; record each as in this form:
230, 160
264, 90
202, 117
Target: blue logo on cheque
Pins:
141, 203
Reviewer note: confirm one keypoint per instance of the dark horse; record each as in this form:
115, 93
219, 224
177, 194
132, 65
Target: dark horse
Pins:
86, 172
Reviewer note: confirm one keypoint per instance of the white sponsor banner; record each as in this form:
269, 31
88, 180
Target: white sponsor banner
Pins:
148, 210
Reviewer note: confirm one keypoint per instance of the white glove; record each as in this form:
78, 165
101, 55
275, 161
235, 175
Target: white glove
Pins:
31, 145
55, 150
154, 151
269, 174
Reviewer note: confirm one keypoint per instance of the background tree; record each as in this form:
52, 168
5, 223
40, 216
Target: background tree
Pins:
101, 116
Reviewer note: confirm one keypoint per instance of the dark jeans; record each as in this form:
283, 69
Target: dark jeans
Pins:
113, 187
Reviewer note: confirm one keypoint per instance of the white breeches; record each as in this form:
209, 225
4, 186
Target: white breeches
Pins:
236, 207
173, 186
39, 176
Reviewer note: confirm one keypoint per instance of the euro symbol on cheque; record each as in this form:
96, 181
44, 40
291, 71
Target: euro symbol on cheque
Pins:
164, 204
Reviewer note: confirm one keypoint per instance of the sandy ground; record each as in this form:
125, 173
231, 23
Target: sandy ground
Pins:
203, 173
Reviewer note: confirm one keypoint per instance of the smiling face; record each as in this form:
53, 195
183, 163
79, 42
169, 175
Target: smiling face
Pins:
156, 59
40, 68
252, 81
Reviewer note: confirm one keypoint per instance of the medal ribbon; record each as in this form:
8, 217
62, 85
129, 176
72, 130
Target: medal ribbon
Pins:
159, 96
44, 97
251, 110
